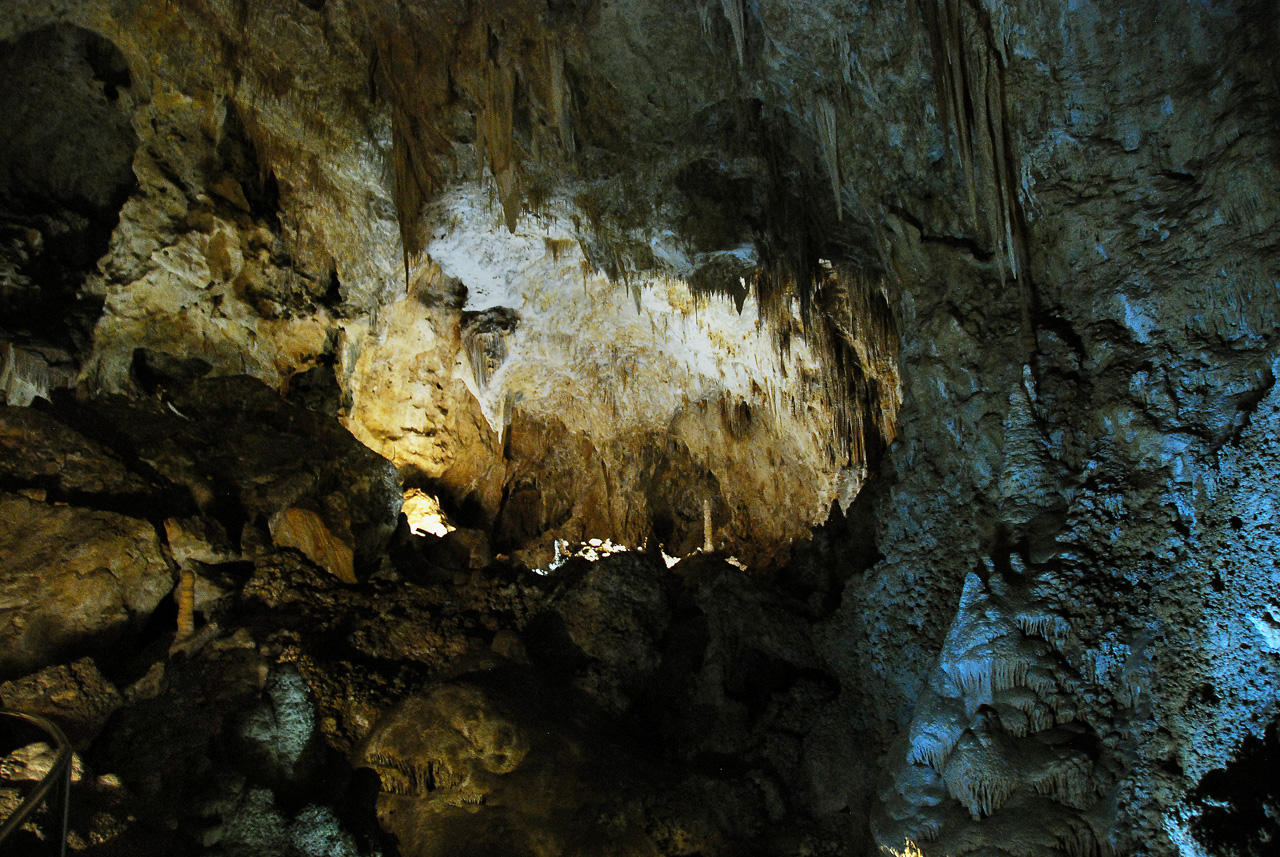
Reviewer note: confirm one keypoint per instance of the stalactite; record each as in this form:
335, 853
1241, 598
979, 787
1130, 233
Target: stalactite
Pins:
968, 71
24, 375
992, 721
829, 146
735, 14
559, 96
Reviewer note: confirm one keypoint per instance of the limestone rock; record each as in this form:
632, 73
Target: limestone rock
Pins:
76, 696
245, 454
468, 763
198, 539
26, 375
611, 615
72, 580
33, 763
305, 531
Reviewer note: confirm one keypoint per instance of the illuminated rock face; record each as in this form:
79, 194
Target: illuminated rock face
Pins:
568, 344
601, 411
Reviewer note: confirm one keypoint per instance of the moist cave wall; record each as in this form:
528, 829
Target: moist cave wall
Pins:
584, 428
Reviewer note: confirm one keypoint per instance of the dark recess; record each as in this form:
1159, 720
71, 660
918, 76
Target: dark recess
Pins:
1240, 804
66, 170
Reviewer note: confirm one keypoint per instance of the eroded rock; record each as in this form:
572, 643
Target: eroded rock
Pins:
471, 768
73, 580
76, 696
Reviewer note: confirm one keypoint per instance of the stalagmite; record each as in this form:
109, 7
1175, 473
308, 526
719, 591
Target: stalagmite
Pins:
186, 596
708, 543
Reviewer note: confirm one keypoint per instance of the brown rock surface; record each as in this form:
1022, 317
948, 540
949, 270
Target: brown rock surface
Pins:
72, 581
305, 531
76, 696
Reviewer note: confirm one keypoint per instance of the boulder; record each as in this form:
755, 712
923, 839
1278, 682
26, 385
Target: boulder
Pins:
41, 452
305, 531
245, 455
76, 696
71, 581
605, 622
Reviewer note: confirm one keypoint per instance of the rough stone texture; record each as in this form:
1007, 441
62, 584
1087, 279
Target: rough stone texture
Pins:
76, 696
469, 744
611, 615
73, 581
40, 452
243, 454
197, 539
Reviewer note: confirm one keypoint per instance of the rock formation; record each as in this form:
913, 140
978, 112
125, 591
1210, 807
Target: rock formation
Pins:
823, 427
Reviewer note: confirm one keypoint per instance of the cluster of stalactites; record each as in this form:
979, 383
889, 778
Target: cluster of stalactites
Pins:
968, 70
505, 65
846, 322
996, 746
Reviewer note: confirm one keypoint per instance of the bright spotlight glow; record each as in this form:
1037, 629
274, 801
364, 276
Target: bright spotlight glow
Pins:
424, 514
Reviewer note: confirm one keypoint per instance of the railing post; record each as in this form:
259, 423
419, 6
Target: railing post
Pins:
54, 787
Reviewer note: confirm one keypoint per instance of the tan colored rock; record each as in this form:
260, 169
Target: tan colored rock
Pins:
75, 695
32, 763
72, 579
305, 531
198, 539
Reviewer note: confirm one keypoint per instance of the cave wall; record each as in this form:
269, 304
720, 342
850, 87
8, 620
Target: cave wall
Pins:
1043, 336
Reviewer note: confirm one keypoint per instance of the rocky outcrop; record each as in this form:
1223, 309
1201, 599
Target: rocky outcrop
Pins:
76, 696
242, 455
43, 454
474, 743
73, 581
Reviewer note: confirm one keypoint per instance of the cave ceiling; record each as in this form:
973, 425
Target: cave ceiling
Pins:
529, 238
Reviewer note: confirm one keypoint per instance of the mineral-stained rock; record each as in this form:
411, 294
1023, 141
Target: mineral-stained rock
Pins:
472, 768
305, 531
72, 580
76, 696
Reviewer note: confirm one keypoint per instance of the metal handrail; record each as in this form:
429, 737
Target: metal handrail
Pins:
56, 783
